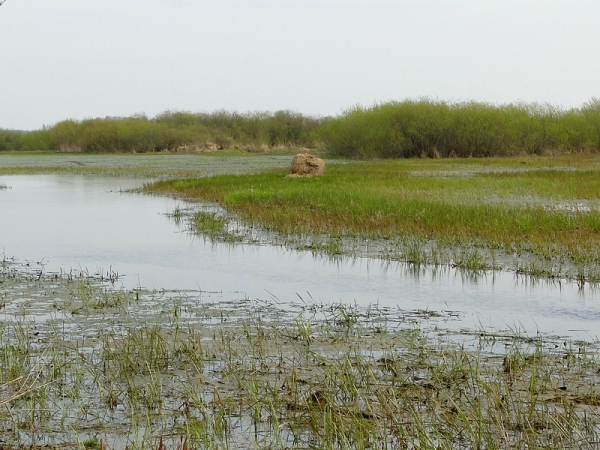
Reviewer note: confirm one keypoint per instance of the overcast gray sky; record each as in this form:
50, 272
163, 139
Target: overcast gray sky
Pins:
64, 59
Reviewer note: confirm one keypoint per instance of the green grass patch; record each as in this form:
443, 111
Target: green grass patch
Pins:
549, 212
213, 226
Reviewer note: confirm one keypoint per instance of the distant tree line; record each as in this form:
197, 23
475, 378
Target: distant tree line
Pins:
411, 128
171, 131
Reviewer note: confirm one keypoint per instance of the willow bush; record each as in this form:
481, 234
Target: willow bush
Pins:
414, 128
410, 128
171, 130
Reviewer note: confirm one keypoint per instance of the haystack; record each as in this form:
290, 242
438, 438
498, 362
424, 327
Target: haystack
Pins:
306, 165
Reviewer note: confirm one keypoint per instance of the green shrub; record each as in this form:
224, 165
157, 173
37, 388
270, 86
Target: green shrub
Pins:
417, 128
410, 128
10, 140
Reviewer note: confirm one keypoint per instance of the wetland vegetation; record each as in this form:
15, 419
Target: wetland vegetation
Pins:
411, 128
465, 129
86, 364
535, 215
155, 165
171, 131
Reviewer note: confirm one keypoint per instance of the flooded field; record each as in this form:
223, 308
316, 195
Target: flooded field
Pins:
142, 165
88, 365
120, 329
87, 223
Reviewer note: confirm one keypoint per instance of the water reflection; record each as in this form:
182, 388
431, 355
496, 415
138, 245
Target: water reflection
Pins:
88, 224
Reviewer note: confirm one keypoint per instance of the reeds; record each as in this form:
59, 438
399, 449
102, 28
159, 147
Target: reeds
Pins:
196, 370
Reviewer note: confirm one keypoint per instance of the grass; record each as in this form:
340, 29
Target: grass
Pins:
213, 226
88, 365
469, 213
209, 224
195, 370
534, 215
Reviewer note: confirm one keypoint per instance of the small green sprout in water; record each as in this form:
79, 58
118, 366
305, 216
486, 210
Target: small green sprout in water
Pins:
214, 227
92, 443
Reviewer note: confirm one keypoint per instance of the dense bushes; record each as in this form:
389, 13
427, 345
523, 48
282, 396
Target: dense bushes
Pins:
441, 129
411, 128
171, 131
10, 140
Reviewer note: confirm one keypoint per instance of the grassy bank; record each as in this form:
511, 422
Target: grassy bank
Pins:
436, 129
534, 215
85, 365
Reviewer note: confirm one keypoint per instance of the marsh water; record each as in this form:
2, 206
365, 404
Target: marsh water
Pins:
89, 223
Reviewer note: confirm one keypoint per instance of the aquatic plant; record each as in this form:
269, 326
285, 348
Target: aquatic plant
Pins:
478, 214
196, 370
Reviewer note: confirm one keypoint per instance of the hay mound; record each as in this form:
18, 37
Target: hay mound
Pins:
306, 165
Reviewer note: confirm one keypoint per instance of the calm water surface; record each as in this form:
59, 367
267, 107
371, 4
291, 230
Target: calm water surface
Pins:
86, 222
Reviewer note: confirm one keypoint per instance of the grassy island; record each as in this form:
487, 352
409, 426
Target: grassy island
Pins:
536, 215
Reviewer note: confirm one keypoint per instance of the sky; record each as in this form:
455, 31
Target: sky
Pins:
77, 59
